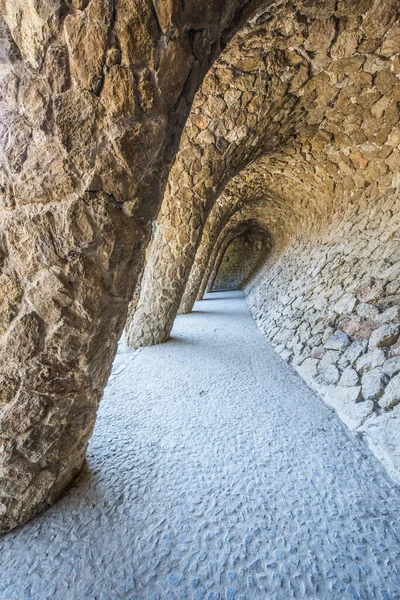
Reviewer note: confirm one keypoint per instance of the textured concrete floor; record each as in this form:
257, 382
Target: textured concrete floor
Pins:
213, 473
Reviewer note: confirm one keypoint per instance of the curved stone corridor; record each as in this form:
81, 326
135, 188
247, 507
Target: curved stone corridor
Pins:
213, 473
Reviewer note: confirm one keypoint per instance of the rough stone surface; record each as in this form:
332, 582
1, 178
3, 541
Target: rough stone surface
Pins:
370, 360
373, 384
349, 377
240, 260
337, 341
385, 335
392, 366
221, 477
392, 394
93, 101
306, 293
113, 111
305, 87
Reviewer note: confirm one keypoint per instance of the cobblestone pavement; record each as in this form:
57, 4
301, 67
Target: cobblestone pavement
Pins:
213, 473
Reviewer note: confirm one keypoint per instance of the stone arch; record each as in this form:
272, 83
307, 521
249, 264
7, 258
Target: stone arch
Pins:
250, 216
306, 80
241, 260
328, 295
240, 255
228, 203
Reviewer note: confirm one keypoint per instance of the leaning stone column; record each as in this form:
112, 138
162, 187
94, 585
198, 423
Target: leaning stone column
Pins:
179, 229
222, 211
209, 270
219, 256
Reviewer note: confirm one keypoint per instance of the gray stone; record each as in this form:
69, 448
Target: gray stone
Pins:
299, 358
330, 357
382, 433
371, 360
349, 404
384, 336
328, 374
308, 369
327, 333
318, 352
349, 377
392, 366
391, 396
286, 354
353, 352
369, 311
339, 340
373, 384
346, 304
390, 315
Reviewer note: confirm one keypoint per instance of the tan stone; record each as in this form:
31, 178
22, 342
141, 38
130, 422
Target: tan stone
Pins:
217, 127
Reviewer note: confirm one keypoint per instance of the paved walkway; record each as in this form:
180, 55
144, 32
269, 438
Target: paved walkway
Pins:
213, 473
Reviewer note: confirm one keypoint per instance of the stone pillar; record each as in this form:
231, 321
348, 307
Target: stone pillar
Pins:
219, 257
236, 226
210, 267
179, 230
60, 328
241, 260
225, 207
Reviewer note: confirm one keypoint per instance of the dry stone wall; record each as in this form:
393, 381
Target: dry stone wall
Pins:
329, 302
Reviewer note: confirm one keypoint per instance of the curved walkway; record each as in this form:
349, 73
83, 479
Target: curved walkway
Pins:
213, 473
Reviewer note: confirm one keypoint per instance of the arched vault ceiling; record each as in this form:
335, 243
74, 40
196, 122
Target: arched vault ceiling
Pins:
315, 82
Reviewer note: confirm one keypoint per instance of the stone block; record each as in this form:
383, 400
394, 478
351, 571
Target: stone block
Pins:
353, 352
370, 361
373, 384
346, 304
392, 366
367, 311
339, 340
308, 369
391, 396
382, 434
328, 374
390, 315
384, 336
349, 377
347, 401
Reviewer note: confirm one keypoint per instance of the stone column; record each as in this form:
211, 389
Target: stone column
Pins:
219, 256
236, 226
241, 260
210, 265
225, 207
179, 230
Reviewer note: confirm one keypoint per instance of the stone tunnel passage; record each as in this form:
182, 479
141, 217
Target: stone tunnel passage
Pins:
188, 114
213, 473
240, 260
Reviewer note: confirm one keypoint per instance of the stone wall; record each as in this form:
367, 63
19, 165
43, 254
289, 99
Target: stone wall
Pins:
240, 260
329, 302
